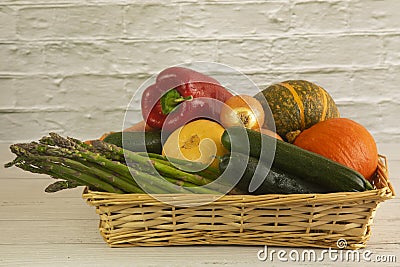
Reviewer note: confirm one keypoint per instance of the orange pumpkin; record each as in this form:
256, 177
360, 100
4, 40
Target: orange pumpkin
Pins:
343, 141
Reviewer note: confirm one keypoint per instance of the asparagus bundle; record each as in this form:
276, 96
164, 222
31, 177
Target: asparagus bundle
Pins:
106, 167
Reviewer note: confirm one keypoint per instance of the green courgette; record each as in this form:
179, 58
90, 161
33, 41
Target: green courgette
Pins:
274, 181
296, 161
136, 141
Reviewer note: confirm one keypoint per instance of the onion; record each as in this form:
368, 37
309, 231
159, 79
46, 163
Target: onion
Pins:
242, 110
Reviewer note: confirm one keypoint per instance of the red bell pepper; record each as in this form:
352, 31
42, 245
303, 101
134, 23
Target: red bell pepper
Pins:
180, 95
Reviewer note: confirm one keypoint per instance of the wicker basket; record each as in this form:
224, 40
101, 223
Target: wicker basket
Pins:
297, 220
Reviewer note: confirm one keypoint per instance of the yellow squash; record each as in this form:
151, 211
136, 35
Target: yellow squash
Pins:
198, 141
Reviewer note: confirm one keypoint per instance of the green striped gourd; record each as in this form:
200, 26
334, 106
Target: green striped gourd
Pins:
296, 105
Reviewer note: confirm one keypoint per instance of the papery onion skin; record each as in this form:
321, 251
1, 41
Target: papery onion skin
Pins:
242, 110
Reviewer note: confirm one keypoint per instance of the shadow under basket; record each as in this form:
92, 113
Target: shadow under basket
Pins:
294, 220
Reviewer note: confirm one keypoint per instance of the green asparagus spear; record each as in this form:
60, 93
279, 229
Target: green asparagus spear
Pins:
61, 185
191, 187
42, 153
100, 166
206, 171
62, 172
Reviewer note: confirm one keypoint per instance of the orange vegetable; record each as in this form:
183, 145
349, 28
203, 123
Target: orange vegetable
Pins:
343, 141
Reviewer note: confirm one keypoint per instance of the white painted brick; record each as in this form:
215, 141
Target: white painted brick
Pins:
76, 93
234, 19
93, 124
72, 66
336, 83
83, 125
236, 83
391, 49
45, 2
321, 16
271, 76
376, 85
70, 21
77, 57
70, 93
314, 51
375, 101
21, 58
37, 92
29, 92
21, 127
391, 86
374, 14
245, 54
8, 20
134, 85
88, 92
125, 57
8, 93
144, 21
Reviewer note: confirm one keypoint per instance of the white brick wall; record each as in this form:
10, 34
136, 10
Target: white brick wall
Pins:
72, 66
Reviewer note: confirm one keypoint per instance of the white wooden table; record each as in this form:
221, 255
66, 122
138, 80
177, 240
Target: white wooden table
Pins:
40, 229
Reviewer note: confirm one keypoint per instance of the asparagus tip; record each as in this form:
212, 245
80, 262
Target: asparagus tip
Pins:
60, 185
9, 164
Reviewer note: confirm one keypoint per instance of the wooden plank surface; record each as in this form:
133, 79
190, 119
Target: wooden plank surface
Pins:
40, 229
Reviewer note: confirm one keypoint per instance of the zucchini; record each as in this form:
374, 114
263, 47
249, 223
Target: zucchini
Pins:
274, 181
136, 141
297, 161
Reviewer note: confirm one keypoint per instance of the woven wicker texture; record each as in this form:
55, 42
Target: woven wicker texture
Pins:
298, 220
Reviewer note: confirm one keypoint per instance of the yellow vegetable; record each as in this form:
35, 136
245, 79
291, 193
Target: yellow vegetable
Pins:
198, 141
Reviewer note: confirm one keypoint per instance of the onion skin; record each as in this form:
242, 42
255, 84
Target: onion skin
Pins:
242, 110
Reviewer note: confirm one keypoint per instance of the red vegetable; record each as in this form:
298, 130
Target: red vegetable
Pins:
181, 95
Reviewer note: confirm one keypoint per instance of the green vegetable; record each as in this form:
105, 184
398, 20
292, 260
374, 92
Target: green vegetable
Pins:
136, 141
274, 180
102, 167
206, 171
191, 187
297, 161
61, 185
295, 106
144, 162
42, 164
